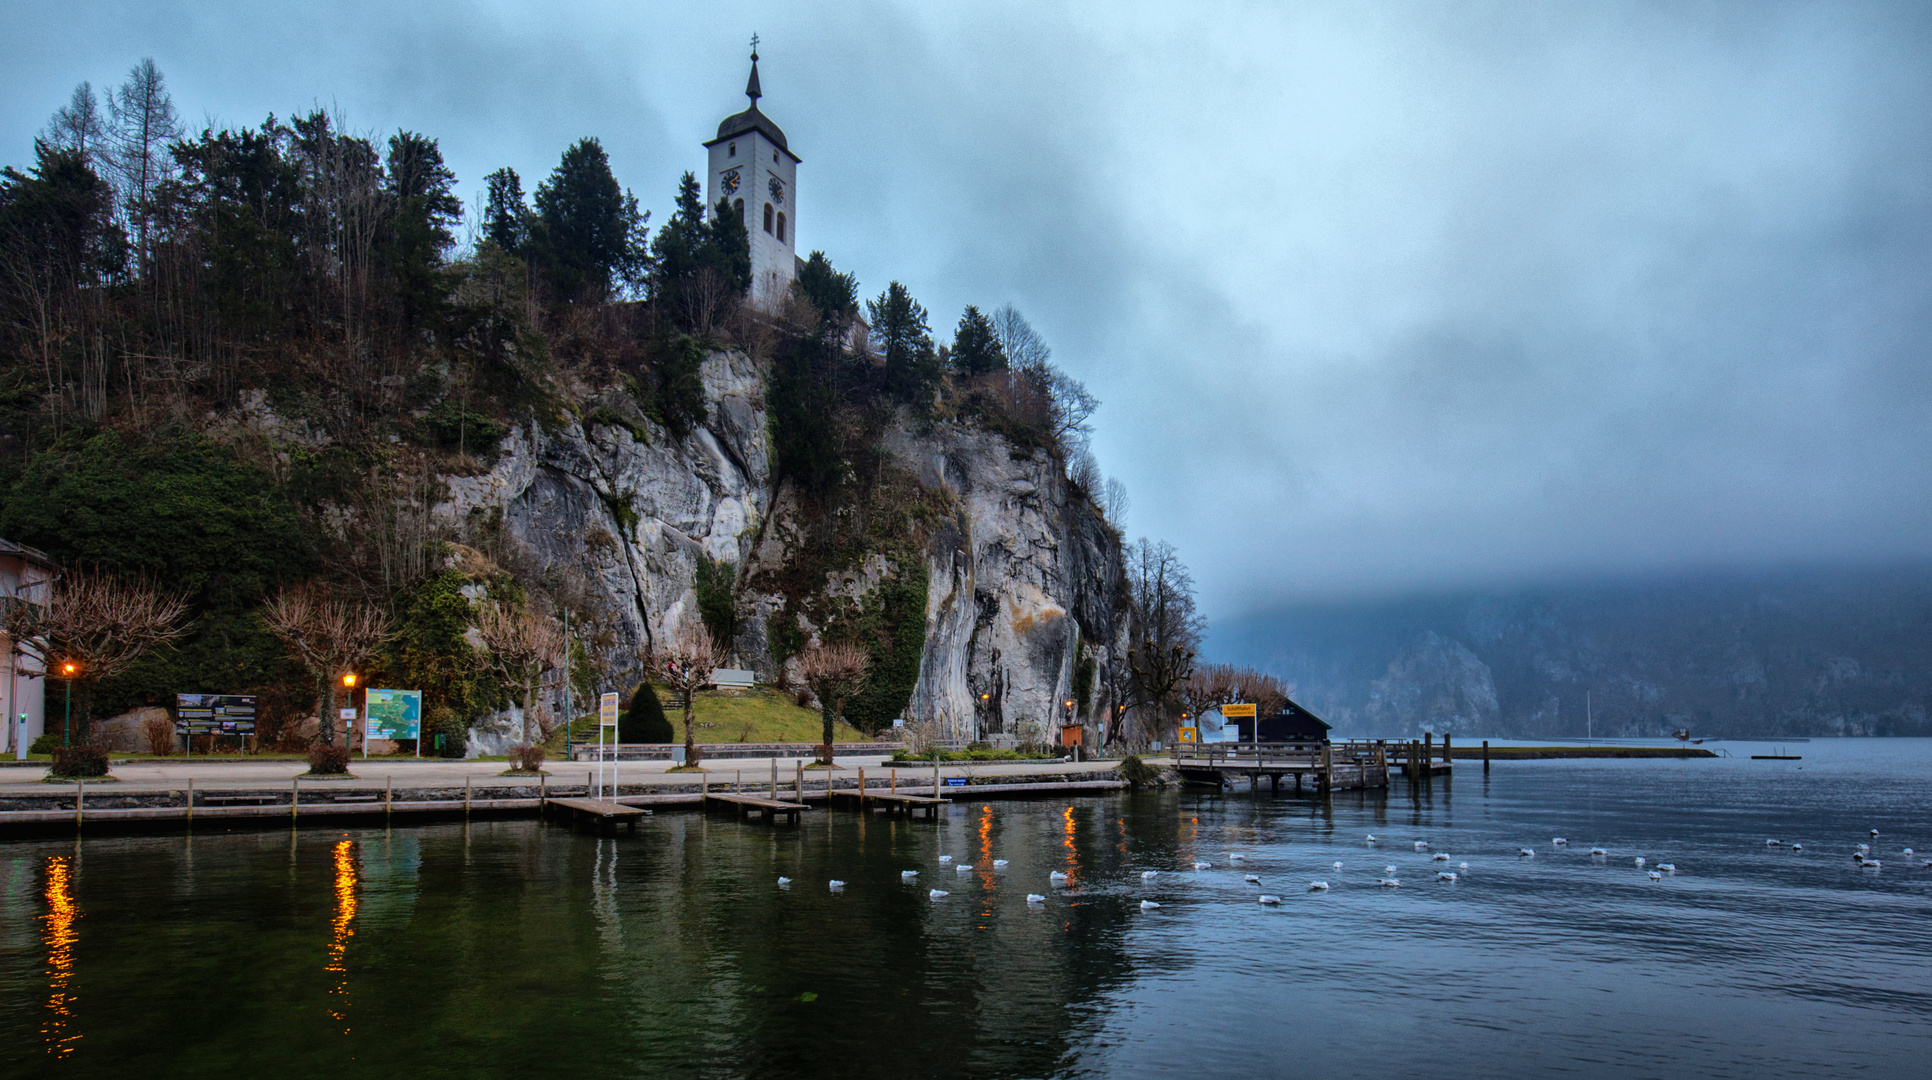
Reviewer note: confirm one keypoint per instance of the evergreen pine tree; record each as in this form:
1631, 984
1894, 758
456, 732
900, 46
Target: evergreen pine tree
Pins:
904, 341
422, 190
506, 219
835, 295
976, 345
592, 230
728, 247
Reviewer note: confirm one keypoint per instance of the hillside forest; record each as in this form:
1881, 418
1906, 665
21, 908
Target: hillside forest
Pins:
240, 364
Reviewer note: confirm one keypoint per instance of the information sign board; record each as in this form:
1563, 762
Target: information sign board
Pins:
1187, 734
1243, 711
394, 714
607, 710
214, 714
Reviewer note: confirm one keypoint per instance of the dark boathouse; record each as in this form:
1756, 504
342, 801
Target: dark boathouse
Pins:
1293, 724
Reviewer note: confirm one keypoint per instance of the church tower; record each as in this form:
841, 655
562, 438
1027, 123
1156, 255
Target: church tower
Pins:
752, 167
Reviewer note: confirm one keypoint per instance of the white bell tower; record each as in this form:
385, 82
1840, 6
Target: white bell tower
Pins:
752, 166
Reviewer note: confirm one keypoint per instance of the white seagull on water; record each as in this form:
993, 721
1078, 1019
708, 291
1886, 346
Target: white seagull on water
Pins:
1318, 886
936, 894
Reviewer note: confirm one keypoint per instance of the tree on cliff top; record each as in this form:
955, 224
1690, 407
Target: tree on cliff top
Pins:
701, 267
904, 342
976, 345
591, 237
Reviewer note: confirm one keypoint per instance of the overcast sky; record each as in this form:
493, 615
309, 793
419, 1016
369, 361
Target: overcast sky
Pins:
1376, 298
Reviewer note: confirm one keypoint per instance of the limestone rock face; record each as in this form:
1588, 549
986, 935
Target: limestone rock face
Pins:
1024, 580
630, 515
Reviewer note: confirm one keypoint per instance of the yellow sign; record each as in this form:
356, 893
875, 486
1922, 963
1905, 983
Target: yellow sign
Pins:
1243, 711
1187, 734
607, 710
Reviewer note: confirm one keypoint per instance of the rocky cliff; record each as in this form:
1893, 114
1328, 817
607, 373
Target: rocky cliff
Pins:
1022, 577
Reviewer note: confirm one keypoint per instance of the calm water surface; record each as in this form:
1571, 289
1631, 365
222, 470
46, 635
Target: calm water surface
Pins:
514, 949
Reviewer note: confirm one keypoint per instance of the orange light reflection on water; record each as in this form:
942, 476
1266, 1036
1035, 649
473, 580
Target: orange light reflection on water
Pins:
342, 929
62, 914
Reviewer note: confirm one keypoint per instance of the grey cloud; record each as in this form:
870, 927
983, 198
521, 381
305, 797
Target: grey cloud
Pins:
1377, 298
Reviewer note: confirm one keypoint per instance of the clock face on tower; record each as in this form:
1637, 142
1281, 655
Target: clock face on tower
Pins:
777, 188
729, 181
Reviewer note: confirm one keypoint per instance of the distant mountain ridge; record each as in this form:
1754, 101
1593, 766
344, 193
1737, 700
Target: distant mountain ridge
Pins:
1812, 652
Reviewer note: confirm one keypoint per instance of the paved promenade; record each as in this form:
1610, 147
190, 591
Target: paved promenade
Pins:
217, 774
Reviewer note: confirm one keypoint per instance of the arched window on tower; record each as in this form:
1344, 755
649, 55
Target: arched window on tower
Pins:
767, 217
781, 226
739, 206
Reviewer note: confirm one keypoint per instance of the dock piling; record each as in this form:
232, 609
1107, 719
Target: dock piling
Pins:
294, 798
191, 798
80, 794
1485, 755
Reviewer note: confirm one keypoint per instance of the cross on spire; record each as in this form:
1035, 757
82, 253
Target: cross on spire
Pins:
752, 90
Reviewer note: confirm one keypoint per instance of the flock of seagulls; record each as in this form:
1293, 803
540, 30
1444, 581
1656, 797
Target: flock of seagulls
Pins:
1862, 856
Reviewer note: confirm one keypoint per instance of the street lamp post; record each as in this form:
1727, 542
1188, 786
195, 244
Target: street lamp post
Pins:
68, 670
349, 690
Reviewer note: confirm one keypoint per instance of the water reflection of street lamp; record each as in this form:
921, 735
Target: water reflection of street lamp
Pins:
67, 671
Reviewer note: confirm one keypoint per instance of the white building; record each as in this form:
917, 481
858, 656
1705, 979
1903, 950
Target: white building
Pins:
25, 574
752, 167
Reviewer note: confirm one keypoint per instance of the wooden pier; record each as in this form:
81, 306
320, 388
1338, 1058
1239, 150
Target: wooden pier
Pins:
890, 798
746, 805
599, 812
1315, 767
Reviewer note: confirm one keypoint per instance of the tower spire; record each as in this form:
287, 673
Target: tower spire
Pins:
751, 86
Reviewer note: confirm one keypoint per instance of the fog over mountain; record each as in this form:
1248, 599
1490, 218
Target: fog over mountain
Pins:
1794, 653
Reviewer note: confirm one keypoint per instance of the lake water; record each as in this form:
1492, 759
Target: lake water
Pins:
514, 949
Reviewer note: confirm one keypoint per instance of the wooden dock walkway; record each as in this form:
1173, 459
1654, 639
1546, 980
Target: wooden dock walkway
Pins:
745, 805
892, 802
599, 812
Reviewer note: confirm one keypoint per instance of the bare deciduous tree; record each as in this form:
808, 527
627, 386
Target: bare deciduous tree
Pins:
145, 122
329, 637
96, 620
524, 645
836, 673
1162, 658
685, 661
79, 126
1114, 502
88, 626
1221, 684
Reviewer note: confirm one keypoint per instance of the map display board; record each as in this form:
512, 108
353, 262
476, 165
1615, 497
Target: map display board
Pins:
214, 714
395, 714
